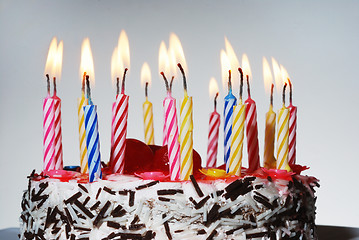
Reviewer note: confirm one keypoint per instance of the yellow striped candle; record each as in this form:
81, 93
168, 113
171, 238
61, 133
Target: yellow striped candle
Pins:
283, 136
186, 137
236, 155
148, 122
81, 102
186, 132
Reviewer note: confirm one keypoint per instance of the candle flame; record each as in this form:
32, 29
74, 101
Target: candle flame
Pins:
123, 48
54, 59
115, 66
176, 54
285, 74
163, 60
246, 67
277, 75
225, 67
87, 61
267, 76
145, 74
233, 61
213, 87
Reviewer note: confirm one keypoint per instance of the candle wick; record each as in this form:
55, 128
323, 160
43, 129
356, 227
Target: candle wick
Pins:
241, 83
184, 77
283, 95
173, 77
146, 90
123, 81
88, 89
229, 81
117, 85
55, 88
48, 84
166, 82
248, 87
271, 95
83, 83
215, 101
290, 92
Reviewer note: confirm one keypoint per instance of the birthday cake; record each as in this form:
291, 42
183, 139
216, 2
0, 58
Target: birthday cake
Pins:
267, 204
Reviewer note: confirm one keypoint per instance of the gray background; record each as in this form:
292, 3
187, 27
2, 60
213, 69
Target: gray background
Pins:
317, 41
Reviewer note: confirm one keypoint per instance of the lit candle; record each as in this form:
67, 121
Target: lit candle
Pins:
173, 146
90, 116
292, 128
235, 161
229, 102
57, 109
92, 137
214, 122
186, 132
177, 59
282, 135
269, 139
147, 107
251, 123
81, 102
120, 108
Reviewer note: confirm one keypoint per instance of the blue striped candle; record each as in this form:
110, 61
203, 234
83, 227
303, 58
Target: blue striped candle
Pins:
92, 143
229, 102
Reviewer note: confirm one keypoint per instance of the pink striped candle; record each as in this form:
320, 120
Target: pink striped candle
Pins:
48, 129
165, 140
119, 130
292, 128
173, 146
252, 132
212, 149
58, 131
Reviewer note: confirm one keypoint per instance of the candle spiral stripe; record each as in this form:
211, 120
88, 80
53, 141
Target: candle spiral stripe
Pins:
233, 166
148, 123
214, 122
119, 134
92, 142
82, 134
228, 119
292, 134
58, 134
165, 140
269, 139
49, 133
172, 137
252, 135
282, 139
186, 138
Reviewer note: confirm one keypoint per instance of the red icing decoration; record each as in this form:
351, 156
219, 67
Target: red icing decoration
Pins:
274, 174
160, 176
138, 157
62, 175
298, 168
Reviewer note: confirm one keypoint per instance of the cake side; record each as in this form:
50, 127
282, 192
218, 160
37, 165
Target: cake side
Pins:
128, 207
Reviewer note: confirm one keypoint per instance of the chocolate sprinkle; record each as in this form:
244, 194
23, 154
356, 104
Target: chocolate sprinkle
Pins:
211, 236
167, 228
193, 201
169, 191
150, 184
196, 186
164, 199
201, 203
83, 209
83, 188
136, 226
123, 192
135, 220
113, 224
101, 214
73, 198
256, 235
95, 206
86, 201
202, 231
131, 200
106, 189
118, 211
98, 193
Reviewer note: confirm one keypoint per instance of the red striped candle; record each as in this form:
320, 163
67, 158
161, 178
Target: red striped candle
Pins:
58, 131
212, 149
48, 130
292, 128
252, 132
119, 130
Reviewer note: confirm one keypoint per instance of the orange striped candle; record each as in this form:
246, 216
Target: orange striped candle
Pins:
81, 102
148, 120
